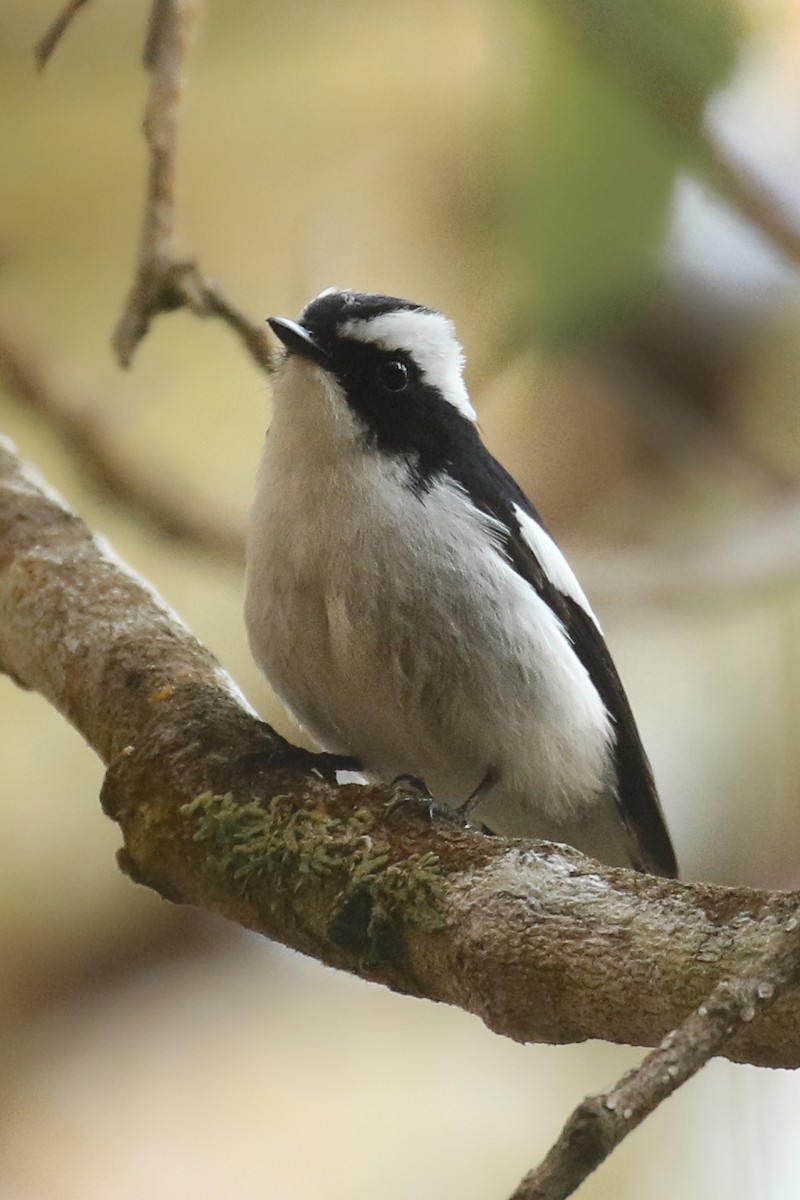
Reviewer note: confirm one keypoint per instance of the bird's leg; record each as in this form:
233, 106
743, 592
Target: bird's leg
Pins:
489, 780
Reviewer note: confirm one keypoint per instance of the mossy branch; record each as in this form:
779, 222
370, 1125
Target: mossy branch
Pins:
271, 853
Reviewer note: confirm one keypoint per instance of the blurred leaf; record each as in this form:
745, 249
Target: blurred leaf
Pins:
673, 52
614, 94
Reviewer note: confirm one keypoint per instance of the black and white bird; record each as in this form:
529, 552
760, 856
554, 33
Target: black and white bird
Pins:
406, 602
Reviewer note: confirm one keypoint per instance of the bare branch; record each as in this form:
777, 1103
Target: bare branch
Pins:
55, 31
81, 429
599, 1123
164, 281
750, 197
216, 810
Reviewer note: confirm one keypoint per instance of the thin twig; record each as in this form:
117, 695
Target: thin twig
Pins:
751, 198
82, 430
599, 1123
164, 281
55, 31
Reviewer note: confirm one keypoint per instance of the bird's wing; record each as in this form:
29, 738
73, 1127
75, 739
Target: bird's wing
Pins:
535, 556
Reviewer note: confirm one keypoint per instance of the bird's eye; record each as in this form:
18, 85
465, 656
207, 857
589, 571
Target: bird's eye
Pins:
393, 375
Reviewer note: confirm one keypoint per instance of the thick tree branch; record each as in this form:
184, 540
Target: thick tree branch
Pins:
217, 811
165, 281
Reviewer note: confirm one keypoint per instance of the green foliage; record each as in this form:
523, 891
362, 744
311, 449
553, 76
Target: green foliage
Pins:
674, 53
615, 92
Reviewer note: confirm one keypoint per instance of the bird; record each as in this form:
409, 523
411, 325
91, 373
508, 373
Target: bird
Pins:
405, 600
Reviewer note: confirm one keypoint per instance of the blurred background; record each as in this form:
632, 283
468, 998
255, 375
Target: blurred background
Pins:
555, 176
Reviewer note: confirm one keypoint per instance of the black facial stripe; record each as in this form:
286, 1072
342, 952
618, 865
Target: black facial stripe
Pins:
413, 422
416, 423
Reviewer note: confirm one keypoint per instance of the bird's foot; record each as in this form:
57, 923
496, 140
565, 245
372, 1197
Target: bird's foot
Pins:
411, 792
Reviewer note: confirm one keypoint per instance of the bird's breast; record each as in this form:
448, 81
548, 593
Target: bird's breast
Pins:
393, 627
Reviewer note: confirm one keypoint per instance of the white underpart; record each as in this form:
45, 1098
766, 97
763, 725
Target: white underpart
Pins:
430, 339
395, 630
555, 566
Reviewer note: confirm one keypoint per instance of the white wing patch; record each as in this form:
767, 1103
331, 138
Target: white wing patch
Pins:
430, 338
555, 566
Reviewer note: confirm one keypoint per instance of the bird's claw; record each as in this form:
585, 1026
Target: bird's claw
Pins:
411, 792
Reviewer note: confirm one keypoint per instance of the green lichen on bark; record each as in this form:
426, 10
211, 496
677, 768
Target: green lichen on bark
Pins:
267, 853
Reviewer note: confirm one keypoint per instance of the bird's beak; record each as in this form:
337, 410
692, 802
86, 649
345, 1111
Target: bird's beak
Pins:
298, 340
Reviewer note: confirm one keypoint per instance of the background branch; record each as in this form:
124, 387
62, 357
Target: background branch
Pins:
55, 31
165, 281
82, 429
753, 555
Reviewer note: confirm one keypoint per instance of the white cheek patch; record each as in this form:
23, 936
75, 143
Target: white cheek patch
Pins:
431, 340
555, 566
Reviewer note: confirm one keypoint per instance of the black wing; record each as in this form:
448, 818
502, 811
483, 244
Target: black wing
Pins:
496, 493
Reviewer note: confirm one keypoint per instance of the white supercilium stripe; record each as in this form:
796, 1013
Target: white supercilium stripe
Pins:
431, 338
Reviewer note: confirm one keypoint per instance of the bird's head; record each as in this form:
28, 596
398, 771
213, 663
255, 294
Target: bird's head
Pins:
384, 371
